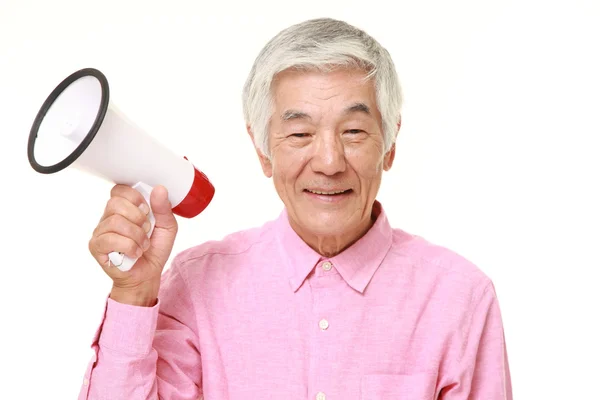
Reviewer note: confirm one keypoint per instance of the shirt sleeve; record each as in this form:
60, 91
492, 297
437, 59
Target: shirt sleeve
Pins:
482, 370
143, 353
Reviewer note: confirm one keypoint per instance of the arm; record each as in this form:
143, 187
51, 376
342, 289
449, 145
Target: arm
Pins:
143, 353
482, 371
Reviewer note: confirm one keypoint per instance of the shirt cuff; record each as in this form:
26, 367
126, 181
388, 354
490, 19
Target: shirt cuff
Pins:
128, 329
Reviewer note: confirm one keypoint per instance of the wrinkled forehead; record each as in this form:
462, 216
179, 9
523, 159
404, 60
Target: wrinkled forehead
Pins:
300, 93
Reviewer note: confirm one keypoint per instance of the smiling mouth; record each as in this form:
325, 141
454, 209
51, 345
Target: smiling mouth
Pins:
328, 192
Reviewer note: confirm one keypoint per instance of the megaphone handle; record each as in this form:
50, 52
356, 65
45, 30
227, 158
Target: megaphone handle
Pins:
120, 260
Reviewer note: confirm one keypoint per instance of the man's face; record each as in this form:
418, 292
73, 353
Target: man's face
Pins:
327, 154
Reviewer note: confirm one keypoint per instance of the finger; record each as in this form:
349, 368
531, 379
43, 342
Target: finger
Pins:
120, 225
121, 206
129, 193
162, 209
108, 242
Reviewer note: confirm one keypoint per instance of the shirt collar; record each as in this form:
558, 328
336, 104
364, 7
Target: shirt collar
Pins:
357, 264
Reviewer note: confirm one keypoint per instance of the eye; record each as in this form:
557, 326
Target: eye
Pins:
354, 131
299, 135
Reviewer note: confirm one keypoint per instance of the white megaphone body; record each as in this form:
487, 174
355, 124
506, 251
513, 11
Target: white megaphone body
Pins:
79, 126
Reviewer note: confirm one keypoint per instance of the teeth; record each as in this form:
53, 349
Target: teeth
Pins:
327, 193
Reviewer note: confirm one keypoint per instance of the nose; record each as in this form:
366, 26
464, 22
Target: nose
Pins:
329, 157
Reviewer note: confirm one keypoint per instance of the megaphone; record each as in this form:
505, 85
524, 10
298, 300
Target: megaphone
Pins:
79, 126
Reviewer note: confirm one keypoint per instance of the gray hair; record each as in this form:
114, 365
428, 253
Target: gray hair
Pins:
320, 44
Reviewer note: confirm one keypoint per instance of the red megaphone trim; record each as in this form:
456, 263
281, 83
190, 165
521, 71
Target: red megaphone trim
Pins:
198, 198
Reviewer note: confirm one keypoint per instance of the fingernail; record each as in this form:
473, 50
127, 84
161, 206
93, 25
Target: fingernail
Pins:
146, 226
144, 208
138, 253
146, 244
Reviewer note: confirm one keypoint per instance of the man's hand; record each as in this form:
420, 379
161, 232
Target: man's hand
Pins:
123, 227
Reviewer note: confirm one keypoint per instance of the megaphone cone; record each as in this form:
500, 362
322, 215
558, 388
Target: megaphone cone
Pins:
78, 126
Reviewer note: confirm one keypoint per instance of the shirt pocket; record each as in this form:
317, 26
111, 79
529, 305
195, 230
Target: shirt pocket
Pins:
419, 386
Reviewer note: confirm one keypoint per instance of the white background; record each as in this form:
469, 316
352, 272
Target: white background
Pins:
497, 159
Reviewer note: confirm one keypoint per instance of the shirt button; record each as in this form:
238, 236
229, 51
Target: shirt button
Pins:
323, 324
320, 396
86, 382
327, 266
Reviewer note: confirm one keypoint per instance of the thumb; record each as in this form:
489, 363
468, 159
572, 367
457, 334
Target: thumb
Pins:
162, 209
165, 228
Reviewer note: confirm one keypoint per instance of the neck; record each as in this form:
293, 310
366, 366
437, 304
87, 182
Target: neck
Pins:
332, 245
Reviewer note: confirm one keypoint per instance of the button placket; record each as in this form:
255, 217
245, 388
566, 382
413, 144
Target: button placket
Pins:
324, 286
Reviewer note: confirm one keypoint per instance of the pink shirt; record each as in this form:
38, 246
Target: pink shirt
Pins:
261, 315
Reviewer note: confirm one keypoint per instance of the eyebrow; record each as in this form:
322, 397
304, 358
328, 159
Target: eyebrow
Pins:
289, 115
292, 114
358, 107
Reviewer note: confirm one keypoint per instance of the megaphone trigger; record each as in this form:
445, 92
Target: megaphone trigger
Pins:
120, 260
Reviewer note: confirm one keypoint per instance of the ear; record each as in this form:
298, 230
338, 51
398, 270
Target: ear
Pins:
265, 163
388, 159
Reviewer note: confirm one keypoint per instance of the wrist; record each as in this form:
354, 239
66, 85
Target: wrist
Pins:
142, 296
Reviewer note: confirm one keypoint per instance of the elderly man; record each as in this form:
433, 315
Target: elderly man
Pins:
328, 301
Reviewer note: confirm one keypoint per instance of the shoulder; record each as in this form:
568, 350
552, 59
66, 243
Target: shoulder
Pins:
438, 262
239, 245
